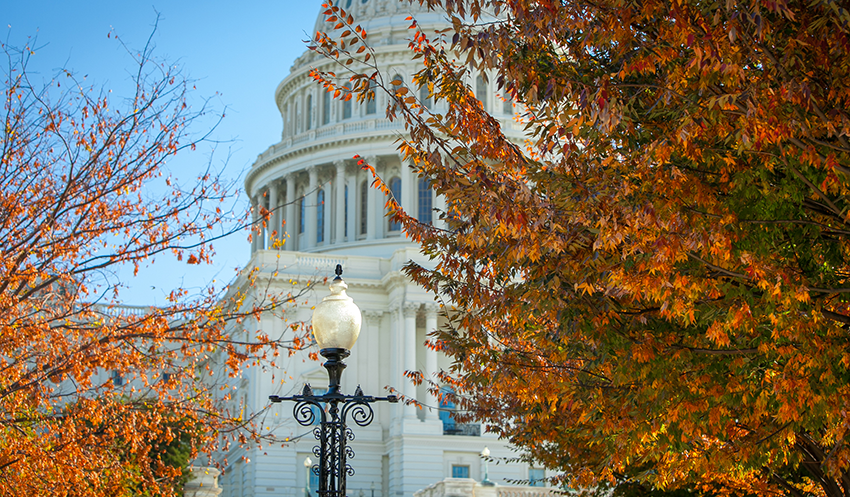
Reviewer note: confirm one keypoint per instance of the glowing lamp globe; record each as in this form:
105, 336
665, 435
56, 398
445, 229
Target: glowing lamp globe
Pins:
336, 320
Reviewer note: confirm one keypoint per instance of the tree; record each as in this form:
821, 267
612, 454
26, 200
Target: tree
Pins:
91, 395
658, 279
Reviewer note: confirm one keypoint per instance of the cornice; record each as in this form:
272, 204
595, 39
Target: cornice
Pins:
310, 146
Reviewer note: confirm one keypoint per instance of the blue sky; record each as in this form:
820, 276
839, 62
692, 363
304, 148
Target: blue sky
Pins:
240, 52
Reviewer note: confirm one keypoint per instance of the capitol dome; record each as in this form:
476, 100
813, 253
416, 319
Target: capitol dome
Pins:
324, 214
320, 200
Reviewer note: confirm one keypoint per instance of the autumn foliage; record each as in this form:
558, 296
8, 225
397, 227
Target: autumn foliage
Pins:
92, 393
654, 285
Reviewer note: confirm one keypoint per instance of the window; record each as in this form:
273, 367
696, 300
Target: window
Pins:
536, 477
397, 86
446, 406
372, 103
320, 217
326, 108
345, 209
481, 91
317, 419
302, 212
460, 471
395, 189
508, 105
314, 481
116, 378
309, 111
296, 116
425, 202
424, 97
285, 118
346, 104
364, 207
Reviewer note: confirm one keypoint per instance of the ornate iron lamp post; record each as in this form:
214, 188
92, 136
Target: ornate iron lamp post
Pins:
336, 326
485, 454
307, 465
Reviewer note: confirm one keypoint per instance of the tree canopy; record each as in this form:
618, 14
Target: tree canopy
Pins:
95, 397
655, 283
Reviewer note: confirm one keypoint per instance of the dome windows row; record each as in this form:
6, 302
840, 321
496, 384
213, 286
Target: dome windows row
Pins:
320, 109
323, 206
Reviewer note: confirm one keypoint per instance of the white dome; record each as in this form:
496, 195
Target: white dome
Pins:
371, 13
311, 180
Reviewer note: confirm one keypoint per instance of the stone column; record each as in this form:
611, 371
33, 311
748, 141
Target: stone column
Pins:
326, 207
339, 202
431, 356
410, 346
440, 205
408, 189
274, 219
396, 335
255, 219
290, 221
352, 208
264, 202
371, 202
367, 370
312, 207
380, 200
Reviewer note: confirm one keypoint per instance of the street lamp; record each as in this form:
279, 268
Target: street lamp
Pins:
336, 326
485, 454
307, 464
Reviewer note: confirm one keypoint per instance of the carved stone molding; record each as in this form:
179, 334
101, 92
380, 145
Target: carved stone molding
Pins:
373, 317
411, 309
432, 308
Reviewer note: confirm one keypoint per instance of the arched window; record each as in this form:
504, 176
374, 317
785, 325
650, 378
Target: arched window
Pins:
346, 104
309, 111
395, 188
425, 201
296, 117
302, 213
326, 108
364, 207
345, 209
285, 118
320, 216
424, 97
508, 105
398, 83
481, 91
372, 103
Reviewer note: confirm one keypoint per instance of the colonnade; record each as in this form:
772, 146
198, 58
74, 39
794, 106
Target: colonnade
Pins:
404, 347
342, 214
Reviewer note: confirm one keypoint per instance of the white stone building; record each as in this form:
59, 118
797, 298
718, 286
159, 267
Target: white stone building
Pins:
326, 214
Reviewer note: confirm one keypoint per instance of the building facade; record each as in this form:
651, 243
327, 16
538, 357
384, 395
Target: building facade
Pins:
323, 213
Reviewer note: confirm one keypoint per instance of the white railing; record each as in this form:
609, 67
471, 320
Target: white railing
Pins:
528, 492
314, 262
467, 487
122, 310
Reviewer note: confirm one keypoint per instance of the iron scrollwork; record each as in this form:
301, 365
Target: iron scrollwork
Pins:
333, 451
